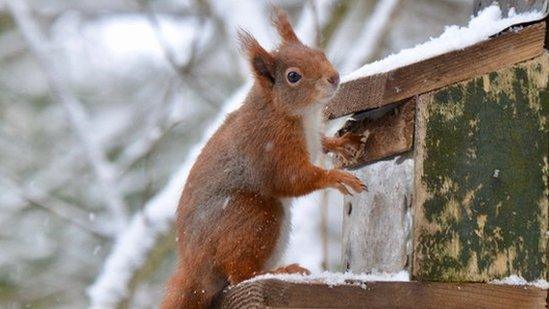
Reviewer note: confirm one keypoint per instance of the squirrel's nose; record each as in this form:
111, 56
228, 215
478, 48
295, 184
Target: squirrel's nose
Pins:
334, 79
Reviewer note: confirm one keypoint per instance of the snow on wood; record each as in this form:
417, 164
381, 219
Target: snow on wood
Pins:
488, 22
377, 90
283, 294
334, 278
518, 280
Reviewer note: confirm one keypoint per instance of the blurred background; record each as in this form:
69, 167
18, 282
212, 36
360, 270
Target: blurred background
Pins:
105, 103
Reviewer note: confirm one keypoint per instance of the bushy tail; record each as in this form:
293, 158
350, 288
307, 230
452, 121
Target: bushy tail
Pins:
192, 289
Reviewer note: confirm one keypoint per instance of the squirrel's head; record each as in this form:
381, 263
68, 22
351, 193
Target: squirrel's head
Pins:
296, 76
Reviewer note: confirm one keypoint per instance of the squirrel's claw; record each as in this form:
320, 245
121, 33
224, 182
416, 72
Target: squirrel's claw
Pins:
343, 179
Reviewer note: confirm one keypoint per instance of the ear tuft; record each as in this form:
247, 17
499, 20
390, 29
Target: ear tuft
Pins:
283, 26
262, 61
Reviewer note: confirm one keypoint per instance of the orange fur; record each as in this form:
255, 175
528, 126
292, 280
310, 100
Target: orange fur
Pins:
284, 28
290, 269
345, 145
231, 211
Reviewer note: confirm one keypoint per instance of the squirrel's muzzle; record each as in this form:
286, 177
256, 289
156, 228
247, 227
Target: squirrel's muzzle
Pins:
334, 79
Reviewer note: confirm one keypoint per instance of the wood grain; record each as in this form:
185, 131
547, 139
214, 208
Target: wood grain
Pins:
377, 90
480, 192
390, 132
547, 30
380, 217
279, 294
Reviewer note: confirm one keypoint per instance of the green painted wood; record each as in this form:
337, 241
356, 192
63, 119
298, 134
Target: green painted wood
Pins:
481, 178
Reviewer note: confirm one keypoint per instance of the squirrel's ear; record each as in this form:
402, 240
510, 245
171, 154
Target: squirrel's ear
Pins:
283, 26
263, 63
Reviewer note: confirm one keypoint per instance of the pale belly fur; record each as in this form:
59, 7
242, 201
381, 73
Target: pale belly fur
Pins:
312, 127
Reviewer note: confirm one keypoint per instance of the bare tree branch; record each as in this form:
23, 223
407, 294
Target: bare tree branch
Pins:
182, 70
316, 22
159, 125
371, 34
57, 207
104, 171
11, 45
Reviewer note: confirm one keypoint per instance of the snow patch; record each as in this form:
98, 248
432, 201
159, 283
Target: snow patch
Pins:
518, 280
333, 278
488, 22
226, 202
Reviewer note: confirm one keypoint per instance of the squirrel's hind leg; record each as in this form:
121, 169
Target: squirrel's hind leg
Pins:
290, 269
250, 234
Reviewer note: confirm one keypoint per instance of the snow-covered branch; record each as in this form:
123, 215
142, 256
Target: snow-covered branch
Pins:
182, 70
76, 113
55, 206
480, 28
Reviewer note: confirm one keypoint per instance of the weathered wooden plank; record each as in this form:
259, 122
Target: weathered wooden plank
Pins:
519, 6
389, 131
546, 32
377, 223
481, 177
379, 216
279, 294
434, 73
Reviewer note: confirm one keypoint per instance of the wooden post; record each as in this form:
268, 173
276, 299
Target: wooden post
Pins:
376, 225
481, 177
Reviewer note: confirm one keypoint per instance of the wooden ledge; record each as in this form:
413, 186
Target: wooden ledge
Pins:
390, 132
377, 90
271, 293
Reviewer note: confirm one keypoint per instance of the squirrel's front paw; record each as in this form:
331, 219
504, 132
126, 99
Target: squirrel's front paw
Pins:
292, 269
354, 140
350, 147
341, 180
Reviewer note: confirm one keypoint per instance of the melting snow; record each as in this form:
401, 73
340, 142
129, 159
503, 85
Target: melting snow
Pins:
226, 202
333, 279
517, 280
269, 146
488, 22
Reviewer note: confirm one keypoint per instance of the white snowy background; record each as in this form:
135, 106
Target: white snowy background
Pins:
104, 104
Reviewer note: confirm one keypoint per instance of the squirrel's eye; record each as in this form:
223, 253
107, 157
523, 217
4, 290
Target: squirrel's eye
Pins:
293, 77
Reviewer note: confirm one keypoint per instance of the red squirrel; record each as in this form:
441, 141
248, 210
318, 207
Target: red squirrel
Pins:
233, 217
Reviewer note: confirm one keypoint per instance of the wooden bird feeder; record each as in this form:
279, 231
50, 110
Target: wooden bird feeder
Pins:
471, 203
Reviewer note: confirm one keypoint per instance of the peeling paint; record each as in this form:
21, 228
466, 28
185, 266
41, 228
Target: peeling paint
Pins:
473, 223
